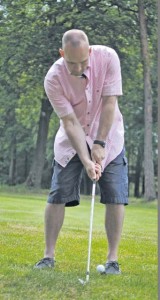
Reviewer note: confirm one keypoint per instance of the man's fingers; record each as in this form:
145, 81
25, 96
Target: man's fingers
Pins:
98, 169
94, 170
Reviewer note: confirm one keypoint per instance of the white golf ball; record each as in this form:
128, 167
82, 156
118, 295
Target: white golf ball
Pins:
100, 269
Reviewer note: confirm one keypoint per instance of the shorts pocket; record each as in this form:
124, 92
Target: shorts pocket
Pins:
125, 161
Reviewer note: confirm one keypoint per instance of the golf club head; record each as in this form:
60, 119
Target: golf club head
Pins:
82, 281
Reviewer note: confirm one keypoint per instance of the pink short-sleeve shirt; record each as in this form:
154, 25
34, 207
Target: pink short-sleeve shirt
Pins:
68, 93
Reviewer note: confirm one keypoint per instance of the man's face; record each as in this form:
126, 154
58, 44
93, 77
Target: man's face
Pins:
76, 58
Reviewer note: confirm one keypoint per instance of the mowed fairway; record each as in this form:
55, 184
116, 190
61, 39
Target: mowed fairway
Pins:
22, 245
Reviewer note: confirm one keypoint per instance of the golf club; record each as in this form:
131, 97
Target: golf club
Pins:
83, 282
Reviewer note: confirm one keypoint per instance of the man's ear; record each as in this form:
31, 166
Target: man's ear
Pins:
90, 50
61, 52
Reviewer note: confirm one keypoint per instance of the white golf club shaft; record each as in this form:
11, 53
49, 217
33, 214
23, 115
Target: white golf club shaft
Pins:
90, 229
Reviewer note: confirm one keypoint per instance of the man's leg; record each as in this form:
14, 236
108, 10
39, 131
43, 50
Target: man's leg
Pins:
113, 223
65, 191
114, 194
54, 216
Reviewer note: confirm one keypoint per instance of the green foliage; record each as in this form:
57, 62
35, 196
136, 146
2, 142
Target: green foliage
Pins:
30, 36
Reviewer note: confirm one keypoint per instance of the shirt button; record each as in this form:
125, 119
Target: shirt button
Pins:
87, 124
88, 113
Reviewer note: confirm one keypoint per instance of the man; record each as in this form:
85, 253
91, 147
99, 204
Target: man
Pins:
82, 87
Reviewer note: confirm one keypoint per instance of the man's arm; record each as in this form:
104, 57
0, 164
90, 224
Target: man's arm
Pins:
76, 136
105, 123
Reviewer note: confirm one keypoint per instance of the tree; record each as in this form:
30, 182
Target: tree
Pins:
148, 151
35, 175
30, 36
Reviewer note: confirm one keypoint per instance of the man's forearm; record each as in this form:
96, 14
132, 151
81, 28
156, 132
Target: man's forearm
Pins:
107, 117
76, 136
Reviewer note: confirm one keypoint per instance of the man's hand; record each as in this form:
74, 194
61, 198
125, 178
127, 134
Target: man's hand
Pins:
97, 154
93, 170
98, 170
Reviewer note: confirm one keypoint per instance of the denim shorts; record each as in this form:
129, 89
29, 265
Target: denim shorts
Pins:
113, 184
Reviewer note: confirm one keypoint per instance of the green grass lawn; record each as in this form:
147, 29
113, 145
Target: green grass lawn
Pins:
22, 245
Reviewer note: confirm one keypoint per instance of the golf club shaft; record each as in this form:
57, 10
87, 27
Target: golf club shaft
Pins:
90, 229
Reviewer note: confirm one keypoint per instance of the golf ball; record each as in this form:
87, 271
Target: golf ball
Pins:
100, 269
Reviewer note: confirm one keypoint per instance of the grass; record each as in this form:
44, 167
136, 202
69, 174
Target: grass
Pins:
22, 245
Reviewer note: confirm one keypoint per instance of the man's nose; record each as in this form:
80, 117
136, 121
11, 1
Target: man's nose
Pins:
78, 67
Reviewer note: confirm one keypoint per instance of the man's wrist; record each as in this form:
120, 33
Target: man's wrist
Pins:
101, 143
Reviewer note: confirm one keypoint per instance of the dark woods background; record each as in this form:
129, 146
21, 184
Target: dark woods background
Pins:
30, 36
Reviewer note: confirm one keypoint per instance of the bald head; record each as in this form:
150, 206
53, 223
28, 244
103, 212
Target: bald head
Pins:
75, 51
74, 38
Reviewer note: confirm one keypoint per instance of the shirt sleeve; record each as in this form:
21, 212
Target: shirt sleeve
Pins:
55, 94
113, 81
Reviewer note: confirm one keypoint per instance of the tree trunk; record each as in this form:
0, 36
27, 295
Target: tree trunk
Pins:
12, 167
138, 173
148, 151
26, 162
35, 174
